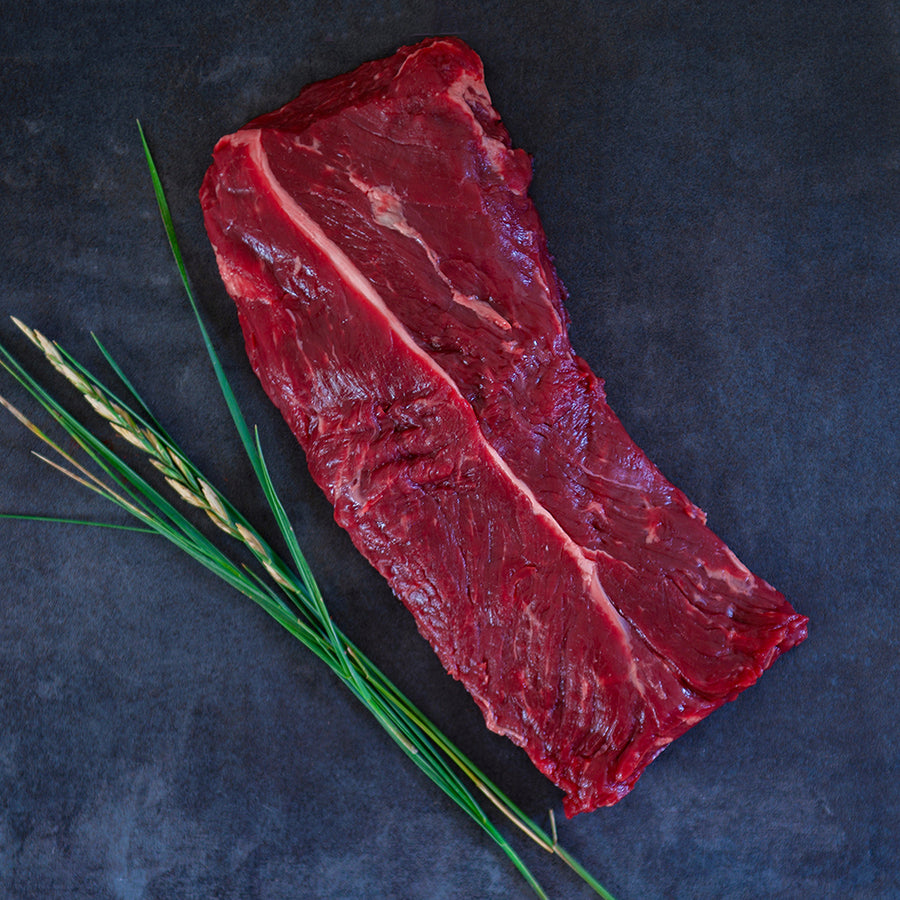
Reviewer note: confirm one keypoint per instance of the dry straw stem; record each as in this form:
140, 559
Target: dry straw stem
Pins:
85, 478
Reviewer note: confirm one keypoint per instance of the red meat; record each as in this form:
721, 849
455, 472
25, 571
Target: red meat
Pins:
400, 307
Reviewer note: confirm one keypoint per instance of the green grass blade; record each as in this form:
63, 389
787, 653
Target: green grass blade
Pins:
146, 413
230, 399
290, 539
61, 521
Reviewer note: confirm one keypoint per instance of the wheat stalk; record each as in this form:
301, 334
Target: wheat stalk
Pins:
176, 469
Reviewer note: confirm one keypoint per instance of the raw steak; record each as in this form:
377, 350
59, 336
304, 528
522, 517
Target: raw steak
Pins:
400, 307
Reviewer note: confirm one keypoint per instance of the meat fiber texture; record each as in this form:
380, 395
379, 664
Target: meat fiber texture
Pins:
400, 307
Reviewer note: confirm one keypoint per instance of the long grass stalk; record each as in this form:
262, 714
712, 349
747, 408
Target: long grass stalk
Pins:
286, 590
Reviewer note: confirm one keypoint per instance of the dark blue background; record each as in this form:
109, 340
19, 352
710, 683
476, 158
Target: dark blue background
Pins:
719, 182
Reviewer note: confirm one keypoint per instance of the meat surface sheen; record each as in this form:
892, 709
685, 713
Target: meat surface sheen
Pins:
400, 307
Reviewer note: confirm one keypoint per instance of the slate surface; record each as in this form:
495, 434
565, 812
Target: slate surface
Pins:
719, 183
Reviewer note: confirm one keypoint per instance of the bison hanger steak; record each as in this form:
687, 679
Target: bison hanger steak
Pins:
400, 307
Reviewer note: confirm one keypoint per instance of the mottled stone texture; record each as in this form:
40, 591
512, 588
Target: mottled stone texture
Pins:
719, 184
